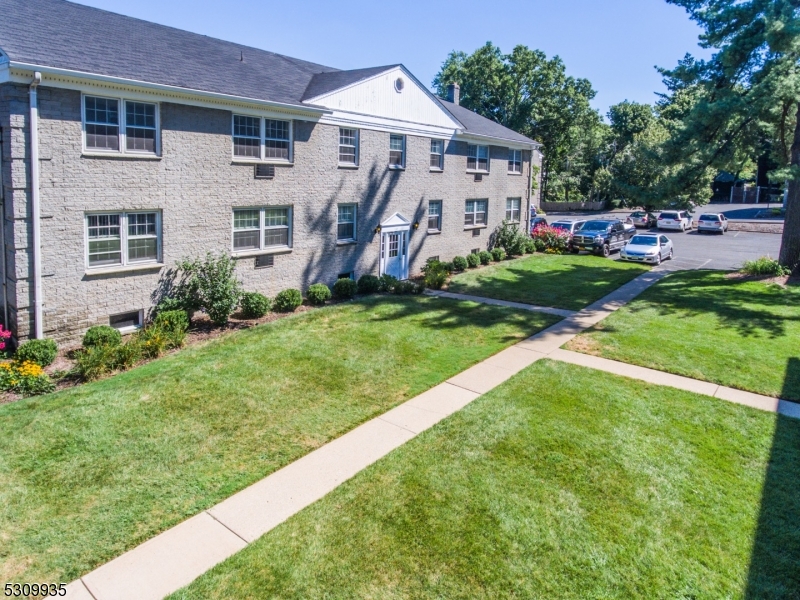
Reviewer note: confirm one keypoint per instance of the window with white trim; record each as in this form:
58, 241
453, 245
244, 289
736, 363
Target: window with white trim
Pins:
348, 146
478, 158
346, 222
475, 213
106, 129
513, 209
514, 161
435, 215
256, 138
121, 238
437, 155
397, 151
262, 228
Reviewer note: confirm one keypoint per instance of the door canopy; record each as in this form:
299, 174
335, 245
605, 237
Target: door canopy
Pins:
396, 222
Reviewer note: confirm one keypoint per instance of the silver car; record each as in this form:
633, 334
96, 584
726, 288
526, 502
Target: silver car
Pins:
649, 248
568, 226
715, 222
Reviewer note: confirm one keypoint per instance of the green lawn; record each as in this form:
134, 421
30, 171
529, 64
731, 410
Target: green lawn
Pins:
88, 473
702, 324
562, 483
561, 281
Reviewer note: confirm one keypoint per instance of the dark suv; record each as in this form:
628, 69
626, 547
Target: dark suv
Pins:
602, 237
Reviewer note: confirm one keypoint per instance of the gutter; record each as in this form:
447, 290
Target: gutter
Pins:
172, 89
35, 208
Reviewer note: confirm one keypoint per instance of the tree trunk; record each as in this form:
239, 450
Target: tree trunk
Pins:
790, 243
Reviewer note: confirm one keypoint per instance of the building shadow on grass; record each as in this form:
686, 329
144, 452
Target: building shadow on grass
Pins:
775, 560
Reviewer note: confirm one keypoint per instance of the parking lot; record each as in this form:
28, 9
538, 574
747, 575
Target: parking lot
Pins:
695, 250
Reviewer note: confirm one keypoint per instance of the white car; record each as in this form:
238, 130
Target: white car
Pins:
568, 226
680, 220
715, 222
648, 248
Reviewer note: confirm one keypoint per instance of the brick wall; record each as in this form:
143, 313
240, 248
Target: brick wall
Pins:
195, 184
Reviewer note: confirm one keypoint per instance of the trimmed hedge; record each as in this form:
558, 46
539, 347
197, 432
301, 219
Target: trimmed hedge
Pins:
473, 260
254, 305
344, 289
459, 263
369, 284
41, 352
101, 335
318, 294
288, 300
498, 254
485, 257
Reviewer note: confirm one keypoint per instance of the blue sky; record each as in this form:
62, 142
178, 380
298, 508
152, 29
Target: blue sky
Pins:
613, 43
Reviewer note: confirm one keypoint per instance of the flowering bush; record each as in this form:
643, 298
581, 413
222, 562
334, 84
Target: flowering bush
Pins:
551, 239
4, 335
26, 378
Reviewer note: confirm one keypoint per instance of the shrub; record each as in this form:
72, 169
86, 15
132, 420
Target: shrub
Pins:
101, 335
174, 324
473, 260
498, 254
126, 355
448, 266
254, 305
25, 377
4, 335
550, 239
485, 257
509, 237
173, 303
288, 300
405, 287
459, 263
318, 294
388, 282
95, 361
344, 289
530, 247
369, 284
765, 266
40, 352
210, 284
435, 273
153, 341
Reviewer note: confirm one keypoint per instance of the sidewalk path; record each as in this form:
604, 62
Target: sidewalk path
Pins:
561, 312
176, 557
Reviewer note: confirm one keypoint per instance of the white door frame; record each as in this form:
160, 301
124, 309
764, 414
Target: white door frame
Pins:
397, 223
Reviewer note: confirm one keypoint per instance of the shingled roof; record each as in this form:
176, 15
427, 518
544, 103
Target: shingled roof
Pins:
65, 35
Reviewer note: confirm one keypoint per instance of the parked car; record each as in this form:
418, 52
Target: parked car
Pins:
536, 221
712, 222
641, 218
569, 226
602, 237
649, 248
680, 220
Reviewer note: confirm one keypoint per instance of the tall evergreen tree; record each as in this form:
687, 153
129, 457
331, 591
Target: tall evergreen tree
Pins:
749, 89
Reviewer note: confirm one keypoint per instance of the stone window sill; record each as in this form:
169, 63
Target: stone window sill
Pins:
434, 231
346, 242
515, 174
252, 253
474, 172
396, 168
277, 163
119, 269
435, 170
347, 166
120, 156
471, 227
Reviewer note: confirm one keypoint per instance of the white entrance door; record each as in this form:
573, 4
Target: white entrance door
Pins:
395, 254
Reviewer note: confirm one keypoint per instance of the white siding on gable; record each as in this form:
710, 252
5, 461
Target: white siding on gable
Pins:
378, 97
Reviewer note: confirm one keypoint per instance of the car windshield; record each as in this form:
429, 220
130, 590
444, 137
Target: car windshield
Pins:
644, 240
669, 215
637, 214
709, 217
595, 226
564, 226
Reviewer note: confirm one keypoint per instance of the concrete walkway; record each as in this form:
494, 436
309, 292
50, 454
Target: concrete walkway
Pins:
561, 312
176, 557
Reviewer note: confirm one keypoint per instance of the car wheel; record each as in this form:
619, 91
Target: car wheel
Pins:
658, 259
671, 254
683, 228
606, 251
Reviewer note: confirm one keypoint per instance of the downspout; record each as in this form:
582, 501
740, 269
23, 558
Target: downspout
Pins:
3, 237
35, 209
530, 193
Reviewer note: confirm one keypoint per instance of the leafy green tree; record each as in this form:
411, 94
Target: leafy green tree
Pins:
747, 96
533, 95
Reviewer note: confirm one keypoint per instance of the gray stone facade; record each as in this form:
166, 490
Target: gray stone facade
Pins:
195, 185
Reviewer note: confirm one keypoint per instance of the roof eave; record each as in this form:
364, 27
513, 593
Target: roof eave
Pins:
482, 137
304, 109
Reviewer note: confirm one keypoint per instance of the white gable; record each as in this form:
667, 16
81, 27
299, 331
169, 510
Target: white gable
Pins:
378, 97
396, 220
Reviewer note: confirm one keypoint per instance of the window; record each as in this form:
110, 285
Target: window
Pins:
262, 139
514, 161
478, 158
435, 215
475, 213
512, 209
123, 238
261, 228
140, 126
346, 222
106, 130
348, 146
437, 155
126, 321
397, 151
